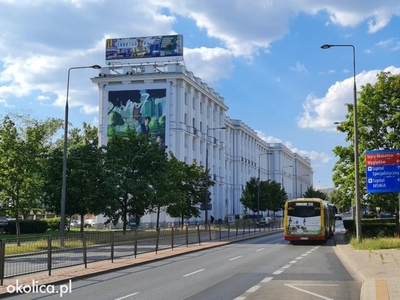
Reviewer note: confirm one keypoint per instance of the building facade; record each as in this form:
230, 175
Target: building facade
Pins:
192, 119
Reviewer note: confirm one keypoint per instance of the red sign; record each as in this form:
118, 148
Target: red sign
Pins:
382, 159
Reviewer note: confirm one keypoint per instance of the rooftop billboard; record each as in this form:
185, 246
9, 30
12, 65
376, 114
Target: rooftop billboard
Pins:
137, 50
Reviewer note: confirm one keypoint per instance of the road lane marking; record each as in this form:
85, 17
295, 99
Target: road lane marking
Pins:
293, 262
233, 258
277, 272
299, 257
253, 289
286, 266
240, 298
195, 272
293, 286
305, 254
127, 296
267, 279
261, 249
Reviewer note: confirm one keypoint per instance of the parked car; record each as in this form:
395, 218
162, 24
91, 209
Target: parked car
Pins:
264, 222
89, 223
75, 223
386, 215
338, 217
3, 224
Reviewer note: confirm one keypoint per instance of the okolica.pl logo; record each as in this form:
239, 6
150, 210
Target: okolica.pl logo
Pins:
36, 288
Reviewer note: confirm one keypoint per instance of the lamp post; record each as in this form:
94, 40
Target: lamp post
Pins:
258, 181
356, 159
64, 167
206, 196
297, 177
284, 167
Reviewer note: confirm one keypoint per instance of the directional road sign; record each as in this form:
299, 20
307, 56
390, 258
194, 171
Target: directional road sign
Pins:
383, 171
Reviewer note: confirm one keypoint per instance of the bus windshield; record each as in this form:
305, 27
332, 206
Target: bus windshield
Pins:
304, 209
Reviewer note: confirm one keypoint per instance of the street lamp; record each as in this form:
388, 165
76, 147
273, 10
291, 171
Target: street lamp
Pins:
297, 178
64, 167
356, 160
258, 181
284, 167
206, 196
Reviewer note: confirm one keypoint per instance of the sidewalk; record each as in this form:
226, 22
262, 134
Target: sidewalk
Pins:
377, 270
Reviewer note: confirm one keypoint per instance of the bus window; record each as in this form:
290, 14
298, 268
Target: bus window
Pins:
304, 209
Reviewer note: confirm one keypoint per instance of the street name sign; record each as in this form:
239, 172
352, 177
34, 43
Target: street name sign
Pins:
383, 171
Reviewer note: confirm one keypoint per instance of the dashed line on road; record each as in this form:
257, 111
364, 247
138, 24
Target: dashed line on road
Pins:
234, 258
195, 272
253, 289
261, 249
267, 279
127, 296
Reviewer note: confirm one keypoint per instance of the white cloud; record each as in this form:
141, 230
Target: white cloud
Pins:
320, 113
299, 67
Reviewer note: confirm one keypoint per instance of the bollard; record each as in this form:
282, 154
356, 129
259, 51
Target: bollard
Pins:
112, 246
84, 249
198, 233
49, 260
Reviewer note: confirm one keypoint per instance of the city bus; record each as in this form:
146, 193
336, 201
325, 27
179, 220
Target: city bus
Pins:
308, 219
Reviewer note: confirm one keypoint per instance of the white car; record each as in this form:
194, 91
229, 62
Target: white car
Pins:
89, 223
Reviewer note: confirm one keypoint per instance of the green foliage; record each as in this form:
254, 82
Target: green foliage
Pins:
312, 193
24, 143
378, 128
28, 226
190, 184
268, 196
131, 163
53, 223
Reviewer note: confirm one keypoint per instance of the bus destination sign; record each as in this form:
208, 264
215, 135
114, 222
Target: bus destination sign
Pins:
383, 171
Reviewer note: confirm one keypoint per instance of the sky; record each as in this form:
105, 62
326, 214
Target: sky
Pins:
262, 56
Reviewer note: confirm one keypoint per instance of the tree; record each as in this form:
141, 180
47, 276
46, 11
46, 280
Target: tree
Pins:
378, 128
24, 143
131, 164
249, 198
272, 195
190, 187
312, 193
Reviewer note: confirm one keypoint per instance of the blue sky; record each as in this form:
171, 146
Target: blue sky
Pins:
262, 56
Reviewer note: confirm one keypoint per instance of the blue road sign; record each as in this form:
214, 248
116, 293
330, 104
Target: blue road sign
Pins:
383, 171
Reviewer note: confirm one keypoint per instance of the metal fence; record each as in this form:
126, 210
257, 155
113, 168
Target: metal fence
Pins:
45, 253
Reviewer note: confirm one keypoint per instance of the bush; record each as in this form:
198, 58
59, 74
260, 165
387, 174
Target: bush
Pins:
28, 226
53, 223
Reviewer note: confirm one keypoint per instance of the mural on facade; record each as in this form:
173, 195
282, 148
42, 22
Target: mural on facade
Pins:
142, 110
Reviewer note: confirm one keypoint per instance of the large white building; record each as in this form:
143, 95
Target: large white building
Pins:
192, 119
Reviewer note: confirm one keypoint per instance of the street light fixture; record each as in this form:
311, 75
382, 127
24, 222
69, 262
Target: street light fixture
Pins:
284, 167
356, 159
206, 196
258, 181
64, 167
297, 178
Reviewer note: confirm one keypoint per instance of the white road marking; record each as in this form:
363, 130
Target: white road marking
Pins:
293, 262
299, 257
261, 249
233, 258
311, 293
124, 297
253, 289
240, 298
198, 271
305, 254
286, 266
277, 272
267, 279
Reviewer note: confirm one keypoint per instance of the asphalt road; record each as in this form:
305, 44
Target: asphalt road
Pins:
277, 269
